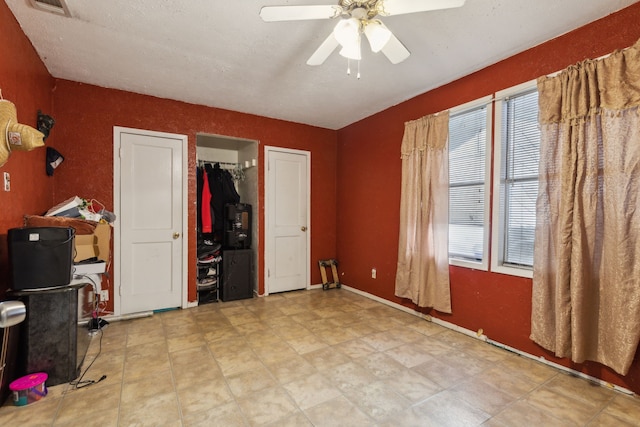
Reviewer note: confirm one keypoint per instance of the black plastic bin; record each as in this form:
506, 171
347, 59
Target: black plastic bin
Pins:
40, 257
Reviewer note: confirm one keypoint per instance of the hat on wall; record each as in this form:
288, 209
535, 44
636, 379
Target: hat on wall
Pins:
54, 158
45, 123
13, 135
4, 150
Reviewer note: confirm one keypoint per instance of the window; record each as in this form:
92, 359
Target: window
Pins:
469, 166
515, 180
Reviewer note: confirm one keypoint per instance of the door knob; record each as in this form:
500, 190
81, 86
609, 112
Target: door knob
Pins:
303, 228
176, 235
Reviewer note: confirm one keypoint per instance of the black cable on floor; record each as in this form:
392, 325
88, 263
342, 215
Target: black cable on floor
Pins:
79, 383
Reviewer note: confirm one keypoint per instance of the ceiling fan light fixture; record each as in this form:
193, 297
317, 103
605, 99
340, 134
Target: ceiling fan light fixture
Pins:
352, 50
347, 31
356, 17
377, 34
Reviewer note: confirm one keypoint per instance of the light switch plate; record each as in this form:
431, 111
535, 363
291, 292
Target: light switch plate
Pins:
7, 181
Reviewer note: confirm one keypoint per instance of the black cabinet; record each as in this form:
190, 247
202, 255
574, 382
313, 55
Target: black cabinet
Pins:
237, 274
51, 339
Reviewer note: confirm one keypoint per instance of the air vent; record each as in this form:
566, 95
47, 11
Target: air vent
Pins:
59, 7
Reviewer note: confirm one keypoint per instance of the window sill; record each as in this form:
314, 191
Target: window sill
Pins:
475, 265
512, 271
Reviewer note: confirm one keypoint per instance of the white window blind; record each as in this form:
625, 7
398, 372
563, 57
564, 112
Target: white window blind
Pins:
467, 149
519, 177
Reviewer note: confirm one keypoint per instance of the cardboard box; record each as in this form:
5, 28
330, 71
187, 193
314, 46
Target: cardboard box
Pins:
93, 239
103, 241
86, 247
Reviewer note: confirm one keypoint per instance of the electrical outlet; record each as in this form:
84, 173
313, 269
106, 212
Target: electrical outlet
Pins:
374, 273
104, 295
7, 181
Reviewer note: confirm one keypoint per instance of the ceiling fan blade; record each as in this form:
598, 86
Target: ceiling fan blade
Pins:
323, 52
395, 51
299, 13
401, 7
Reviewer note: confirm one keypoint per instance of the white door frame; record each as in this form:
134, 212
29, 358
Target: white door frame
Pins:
267, 201
117, 131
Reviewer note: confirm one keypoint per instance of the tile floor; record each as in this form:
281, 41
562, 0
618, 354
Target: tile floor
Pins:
314, 358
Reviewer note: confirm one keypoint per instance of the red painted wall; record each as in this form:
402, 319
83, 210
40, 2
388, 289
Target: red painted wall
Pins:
86, 116
24, 80
369, 172
366, 155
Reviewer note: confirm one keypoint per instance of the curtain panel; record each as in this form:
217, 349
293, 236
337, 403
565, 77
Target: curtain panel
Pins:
586, 278
422, 273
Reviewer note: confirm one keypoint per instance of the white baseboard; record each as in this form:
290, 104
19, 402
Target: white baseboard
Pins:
113, 318
480, 336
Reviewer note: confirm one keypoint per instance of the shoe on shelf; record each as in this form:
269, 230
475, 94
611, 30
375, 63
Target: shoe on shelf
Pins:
208, 247
206, 271
207, 283
209, 259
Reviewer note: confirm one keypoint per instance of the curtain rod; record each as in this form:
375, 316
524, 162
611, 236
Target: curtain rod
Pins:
588, 59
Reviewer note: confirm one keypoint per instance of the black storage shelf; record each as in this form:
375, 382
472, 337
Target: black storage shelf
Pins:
237, 275
208, 283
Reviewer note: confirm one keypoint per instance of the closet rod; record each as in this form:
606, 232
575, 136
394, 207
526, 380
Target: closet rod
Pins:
213, 162
235, 169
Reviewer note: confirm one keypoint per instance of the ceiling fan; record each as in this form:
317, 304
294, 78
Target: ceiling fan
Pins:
357, 17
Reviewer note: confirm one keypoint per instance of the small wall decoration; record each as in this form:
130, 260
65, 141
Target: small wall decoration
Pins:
45, 123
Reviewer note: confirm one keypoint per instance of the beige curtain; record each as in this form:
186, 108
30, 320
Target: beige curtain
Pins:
586, 278
423, 261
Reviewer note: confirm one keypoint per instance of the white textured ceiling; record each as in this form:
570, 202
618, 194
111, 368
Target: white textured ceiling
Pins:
221, 54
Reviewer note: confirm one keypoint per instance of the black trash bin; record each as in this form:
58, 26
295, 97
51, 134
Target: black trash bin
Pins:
40, 257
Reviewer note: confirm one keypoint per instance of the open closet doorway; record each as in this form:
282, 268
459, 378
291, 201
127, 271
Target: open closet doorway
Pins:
227, 217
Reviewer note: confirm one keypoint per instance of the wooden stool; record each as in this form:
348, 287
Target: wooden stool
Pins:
324, 263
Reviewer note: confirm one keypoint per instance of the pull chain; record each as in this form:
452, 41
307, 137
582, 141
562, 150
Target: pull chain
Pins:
349, 68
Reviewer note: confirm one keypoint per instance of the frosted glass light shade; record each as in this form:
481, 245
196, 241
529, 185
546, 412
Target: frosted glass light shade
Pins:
352, 50
347, 31
377, 34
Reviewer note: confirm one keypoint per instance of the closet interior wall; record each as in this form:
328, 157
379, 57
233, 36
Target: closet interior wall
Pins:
228, 150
